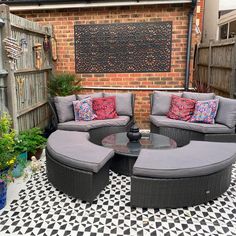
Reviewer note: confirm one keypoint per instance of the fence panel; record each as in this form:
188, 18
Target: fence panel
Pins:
27, 76
215, 67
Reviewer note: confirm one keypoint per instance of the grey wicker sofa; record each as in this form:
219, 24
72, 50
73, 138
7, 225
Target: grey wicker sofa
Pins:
72, 166
181, 131
63, 115
186, 176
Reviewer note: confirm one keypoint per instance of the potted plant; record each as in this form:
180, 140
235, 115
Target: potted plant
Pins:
63, 84
22, 154
32, 141
7, 155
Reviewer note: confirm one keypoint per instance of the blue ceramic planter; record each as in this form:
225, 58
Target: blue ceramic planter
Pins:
17, 171
23, 156
3, 194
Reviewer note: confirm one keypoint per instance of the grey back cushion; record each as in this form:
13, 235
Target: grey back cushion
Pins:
226, 113
123, 103
92, 95
199, 96
161, 102
64, 107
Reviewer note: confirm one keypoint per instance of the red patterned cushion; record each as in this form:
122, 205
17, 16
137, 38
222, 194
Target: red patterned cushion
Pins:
105, 108
181, 108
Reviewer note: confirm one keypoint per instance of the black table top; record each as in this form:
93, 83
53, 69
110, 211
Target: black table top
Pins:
121, 144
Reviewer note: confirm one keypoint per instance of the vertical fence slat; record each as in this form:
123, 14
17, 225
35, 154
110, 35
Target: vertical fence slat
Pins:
209, 66
233, 76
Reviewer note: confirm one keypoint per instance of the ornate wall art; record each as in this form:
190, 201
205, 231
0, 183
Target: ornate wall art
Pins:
128, 47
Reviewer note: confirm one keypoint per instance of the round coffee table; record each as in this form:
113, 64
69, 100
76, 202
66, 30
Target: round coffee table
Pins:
126, 152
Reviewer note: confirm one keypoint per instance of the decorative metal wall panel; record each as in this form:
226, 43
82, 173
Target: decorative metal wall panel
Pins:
128, 47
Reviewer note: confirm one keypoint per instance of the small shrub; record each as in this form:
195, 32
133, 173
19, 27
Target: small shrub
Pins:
63, 84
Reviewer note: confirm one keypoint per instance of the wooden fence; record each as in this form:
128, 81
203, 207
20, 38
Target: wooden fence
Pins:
23, 85
216, 67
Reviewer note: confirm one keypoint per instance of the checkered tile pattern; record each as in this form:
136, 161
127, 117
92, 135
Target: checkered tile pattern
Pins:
42, 210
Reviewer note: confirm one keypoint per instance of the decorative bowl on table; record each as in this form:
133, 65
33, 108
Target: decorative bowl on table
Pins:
134, 135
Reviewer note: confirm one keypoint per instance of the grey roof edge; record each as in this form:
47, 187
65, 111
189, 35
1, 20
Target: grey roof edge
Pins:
19, 5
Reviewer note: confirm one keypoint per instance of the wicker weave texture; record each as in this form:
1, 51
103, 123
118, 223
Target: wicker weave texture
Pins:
173, 193
181, 136
80, 184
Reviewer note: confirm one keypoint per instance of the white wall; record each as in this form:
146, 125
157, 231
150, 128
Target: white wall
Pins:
227, 4
210, 21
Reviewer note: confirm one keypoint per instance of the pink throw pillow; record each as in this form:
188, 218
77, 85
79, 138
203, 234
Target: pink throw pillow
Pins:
105, 108
181, 108
205, 111
83, 109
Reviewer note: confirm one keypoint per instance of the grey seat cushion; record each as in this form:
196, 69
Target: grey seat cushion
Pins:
123, 103
75, 150
199, 96
216, 128
226, 113
161, 102
87, 125
195, 159
64, 107
92, 95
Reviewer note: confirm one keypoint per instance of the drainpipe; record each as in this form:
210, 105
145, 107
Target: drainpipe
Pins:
189, 42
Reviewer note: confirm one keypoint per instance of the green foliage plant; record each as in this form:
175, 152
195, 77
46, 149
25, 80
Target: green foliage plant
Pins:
7, 142
30, 140
7, 147
63, 84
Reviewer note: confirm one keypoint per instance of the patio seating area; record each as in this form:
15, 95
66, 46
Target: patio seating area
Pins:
115, 119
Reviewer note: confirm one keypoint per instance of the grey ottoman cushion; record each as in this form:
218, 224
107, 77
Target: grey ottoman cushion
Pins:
92, 95
199, 96
226, 113
123, 103
161, 102
161, 121
75, 150
87, 125
64, 107
195, 159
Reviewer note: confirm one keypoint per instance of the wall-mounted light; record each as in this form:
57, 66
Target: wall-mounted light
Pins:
1, 22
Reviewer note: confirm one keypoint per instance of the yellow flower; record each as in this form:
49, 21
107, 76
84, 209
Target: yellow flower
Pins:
11, 162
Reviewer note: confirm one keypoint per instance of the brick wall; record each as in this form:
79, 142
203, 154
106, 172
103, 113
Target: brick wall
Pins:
64, 20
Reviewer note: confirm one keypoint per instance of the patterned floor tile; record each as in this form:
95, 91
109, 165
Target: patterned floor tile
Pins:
42, 210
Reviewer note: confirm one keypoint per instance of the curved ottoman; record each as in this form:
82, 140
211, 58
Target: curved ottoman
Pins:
75, 165
186, 176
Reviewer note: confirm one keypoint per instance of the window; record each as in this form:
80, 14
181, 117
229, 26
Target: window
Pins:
227, 30
224, 31
232, 29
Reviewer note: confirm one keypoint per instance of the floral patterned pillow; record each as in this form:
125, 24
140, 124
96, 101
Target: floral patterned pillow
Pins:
205, 111
181, 108
83, 109
105, 108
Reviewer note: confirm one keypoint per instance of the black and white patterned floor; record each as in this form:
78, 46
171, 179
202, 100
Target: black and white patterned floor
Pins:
42, 210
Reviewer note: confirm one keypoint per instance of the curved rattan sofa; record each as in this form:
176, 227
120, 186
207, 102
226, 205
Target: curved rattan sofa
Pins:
79, 141
186, 176
97, 129
77, 166
181, 131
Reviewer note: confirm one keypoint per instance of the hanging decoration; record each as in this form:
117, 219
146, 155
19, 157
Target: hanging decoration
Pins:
13, 49
46, 44
24, 45
54, 48
20, 81
38, 56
